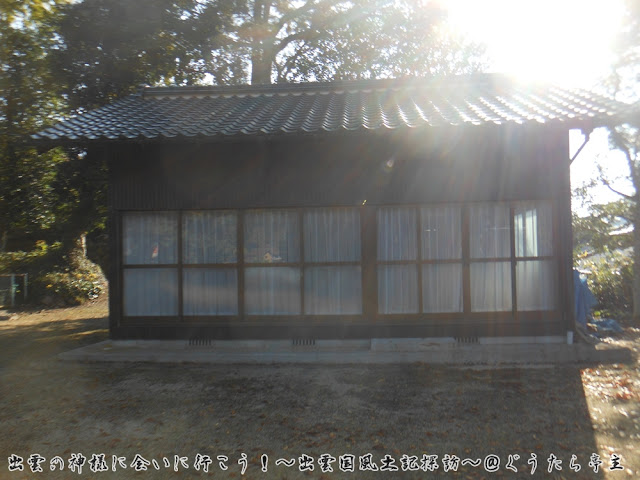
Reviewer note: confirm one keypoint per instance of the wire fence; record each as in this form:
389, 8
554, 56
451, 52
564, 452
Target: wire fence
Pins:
13, 289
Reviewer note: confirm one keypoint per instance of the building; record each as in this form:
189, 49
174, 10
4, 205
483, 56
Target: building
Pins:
406, 208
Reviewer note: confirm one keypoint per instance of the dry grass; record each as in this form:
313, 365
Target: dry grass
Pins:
159, 411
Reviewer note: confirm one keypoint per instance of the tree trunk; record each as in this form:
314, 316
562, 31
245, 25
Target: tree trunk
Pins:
261, 49
636, 257
260, 68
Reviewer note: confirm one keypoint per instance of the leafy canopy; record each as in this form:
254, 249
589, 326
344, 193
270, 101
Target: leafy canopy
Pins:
108, 47
28, 99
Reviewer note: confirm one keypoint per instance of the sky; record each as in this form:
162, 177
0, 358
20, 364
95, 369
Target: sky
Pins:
564, 42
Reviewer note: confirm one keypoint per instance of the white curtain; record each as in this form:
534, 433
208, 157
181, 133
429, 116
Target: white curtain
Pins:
536, 284
491, 287
397, 288
332, 290
490, 237
441, 240
489, 231
535, 279
442, 287
150, 238
441, 232
533, 229
210, 291
397, 240
271, 236
209, 237
332, 235
397, 235
150, 292
272, 290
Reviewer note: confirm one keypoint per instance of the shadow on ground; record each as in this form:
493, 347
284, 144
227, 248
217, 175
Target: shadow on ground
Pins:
158, 411
27, 342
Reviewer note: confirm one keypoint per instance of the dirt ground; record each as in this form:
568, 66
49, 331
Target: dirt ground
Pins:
403, 415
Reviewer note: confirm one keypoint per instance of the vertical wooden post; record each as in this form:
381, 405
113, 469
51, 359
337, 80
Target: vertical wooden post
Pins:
12, 289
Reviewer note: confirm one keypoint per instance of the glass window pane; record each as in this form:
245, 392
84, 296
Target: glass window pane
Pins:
332, 235
442, 288
210, 291
332, 290
491, 287
150, 292
533, 229
489, 231
397, 288
150, 238
272, 290
536, 285
209, 237
271, 237
397, 234
441, 236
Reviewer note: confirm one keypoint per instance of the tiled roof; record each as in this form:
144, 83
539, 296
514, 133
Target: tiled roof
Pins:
319, 108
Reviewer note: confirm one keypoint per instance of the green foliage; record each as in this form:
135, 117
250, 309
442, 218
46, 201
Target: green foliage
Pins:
28, 98
58, 56
337, 40
611, 281
624, 132
602, 245
98, 248
625, 75
81, 186
107, 48
607, 227
55, 278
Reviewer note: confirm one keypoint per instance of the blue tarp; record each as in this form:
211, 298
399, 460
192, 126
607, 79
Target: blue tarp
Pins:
584, 299
606, 325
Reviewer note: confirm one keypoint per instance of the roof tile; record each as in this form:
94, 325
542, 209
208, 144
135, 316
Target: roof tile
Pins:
318, 108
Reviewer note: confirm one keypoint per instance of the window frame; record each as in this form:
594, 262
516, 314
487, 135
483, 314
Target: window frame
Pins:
368, 264
309, 264
467, 261
240, 266
420, 262
126, 266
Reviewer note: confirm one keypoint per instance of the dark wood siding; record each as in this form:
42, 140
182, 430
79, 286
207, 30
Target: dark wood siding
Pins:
476, 164
485, 164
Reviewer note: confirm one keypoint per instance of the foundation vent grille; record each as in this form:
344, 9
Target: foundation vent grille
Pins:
466, 340
200, 342
303, 342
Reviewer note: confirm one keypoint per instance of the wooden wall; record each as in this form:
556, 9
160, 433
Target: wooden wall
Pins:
464, 164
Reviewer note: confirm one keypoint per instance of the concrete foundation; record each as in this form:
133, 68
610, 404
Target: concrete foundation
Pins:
537, 351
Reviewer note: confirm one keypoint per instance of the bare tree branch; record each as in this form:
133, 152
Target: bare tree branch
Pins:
292, 14
624, 195
607, 184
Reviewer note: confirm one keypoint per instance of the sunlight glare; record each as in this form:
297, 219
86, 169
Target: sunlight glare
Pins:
566, 42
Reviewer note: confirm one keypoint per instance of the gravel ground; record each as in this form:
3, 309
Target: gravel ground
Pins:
53, 408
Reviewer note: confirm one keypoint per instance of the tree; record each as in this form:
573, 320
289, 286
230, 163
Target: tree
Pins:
108, 47
27, 99
606, 228
625, 134
324, 40
601, 247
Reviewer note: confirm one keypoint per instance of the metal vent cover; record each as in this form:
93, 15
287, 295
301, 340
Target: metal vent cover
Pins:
303, 342
466, 340
200, 342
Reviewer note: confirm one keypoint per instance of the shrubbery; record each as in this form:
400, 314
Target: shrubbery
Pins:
611, 281
55, 278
